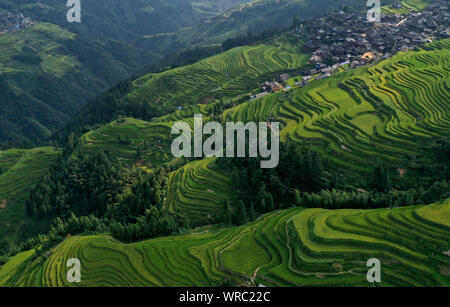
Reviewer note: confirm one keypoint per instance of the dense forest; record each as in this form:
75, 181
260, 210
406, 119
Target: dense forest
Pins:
304, 179
87, 192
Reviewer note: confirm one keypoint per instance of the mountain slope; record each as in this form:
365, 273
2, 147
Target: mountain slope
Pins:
20, 170
296, 247
255, 16
224, 76
389, 117
353, 119
37, 96
49, 70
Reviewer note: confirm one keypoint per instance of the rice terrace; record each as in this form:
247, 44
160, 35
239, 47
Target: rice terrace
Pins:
363, 168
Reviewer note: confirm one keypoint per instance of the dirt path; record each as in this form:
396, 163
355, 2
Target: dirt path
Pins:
3, 204
235, 241
254, 276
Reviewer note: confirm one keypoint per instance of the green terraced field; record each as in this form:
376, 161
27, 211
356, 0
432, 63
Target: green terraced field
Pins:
46, 39
122, 139
382, 111
198, 189
235, 72
296, 247
353, 119
406, 7
21, 169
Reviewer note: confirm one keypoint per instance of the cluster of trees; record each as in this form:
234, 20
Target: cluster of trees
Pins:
381, 179
336, 199
442, 157
217, 109
28, 56
147, 191
301, 180
259, 190
153, 223
89, 193
62, 228
85, 184
142, 214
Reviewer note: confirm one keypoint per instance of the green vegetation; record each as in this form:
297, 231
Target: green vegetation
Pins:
199, 188
378, 112
225, 78
46, 75
354, 119
65, 65
20, 170
359, 150
229, 74
49, 70
307, 247
132, 141
406, 6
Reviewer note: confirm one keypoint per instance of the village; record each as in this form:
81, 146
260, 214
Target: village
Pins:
347, 40
10, 22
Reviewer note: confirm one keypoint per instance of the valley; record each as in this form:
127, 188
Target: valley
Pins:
75, 63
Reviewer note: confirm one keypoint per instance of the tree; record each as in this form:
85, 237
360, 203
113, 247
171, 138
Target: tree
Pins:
241, 215
226, 212
381, 181
263, 205
270, 203
261, 197
139, 152
298, 199
316, 173
251, 212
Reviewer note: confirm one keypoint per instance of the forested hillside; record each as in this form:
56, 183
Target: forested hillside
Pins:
76, 62
231, 75
20, 170
358, 121
395, 161
49, 70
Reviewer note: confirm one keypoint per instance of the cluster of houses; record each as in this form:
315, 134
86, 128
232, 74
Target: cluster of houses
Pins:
273, 86
350, 40
10, 22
